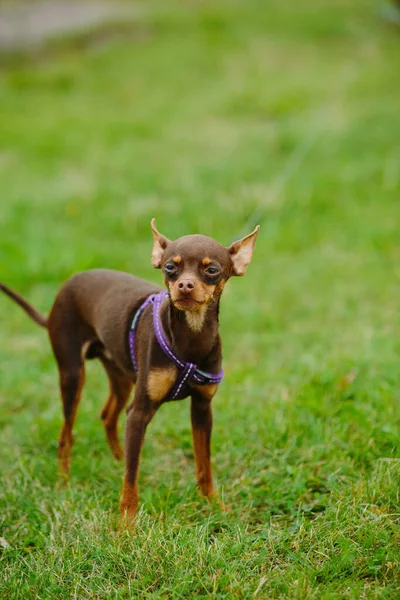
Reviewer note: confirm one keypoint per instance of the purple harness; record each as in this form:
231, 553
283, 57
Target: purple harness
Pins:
187, 371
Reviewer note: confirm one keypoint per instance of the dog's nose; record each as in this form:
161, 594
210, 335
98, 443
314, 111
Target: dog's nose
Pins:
186, 286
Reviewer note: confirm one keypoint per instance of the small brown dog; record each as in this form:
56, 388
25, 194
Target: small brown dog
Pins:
167, 343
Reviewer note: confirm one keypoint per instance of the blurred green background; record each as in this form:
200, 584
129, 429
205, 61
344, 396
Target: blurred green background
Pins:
204, 115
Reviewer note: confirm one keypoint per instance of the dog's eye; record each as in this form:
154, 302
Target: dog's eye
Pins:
170, 268
212, 270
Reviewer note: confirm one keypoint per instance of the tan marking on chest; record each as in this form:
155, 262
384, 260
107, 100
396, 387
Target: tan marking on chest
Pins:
160, 382
208, 390
195, 319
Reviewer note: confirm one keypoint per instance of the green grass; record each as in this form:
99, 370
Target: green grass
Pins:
196, 123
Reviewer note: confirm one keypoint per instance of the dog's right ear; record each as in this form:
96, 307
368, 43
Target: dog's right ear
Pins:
241, 252
160, 243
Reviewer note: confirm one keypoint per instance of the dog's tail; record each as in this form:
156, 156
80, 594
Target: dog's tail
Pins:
28, 308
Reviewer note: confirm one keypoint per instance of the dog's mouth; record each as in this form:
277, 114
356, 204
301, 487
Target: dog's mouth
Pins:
189, 304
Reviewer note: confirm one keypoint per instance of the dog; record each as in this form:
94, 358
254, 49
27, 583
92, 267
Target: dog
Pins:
164, 341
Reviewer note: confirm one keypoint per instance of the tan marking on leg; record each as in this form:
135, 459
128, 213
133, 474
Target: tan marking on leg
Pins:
160, 381
107, 407
201, 445
206, 261
177, 260
129, 500
120, 388
114, 443
203, 467
65, 450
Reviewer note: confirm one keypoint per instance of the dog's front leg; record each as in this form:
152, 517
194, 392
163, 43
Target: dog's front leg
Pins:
201, 416
139, 416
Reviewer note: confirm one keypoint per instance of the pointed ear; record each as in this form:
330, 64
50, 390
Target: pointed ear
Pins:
160, 243
241, 252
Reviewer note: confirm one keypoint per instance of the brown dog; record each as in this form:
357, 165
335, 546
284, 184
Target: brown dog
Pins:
166, 343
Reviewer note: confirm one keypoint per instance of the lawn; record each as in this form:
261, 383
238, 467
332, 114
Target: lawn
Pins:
211, 116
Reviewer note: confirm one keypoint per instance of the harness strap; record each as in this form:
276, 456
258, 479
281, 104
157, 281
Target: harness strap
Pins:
132, 333
187, 371
182, 380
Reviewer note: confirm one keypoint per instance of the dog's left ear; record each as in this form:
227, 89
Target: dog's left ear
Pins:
241, 252
160, 243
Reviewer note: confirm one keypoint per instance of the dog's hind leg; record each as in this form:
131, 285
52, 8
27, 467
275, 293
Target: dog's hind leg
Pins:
67, 338
72, 379
120, 389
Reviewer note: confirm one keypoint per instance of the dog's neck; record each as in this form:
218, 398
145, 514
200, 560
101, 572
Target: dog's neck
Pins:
193, 336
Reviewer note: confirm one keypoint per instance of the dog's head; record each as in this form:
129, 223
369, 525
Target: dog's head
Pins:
196, 267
